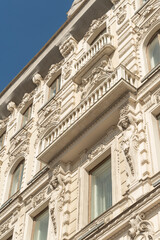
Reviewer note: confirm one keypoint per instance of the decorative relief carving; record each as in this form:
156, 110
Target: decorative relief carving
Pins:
140, 228
95, 25
57, 187
121, 14
11, 106
19, 147
49, 117
100, 148
157, 96
140, 31
37, 79
68, 47
3, 123
67, 70
97, 75
26, 98
130, 137
40, 197
53, 69
4, 227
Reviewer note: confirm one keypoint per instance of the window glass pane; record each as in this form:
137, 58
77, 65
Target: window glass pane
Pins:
17, 179
27, 115
59, 83
158, 118
41, 226
154, 52
101, 189
53, 89
2, 140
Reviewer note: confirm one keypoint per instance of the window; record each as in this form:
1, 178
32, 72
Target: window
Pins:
158, 119
55, 87
40, 226
17, 178
2, 137
26, 115
154, 50
100, 188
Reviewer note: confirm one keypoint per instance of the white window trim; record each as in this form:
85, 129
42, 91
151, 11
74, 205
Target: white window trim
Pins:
30, 215
83, 218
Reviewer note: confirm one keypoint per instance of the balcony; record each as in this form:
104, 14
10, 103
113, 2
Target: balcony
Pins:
113, 87
103, 46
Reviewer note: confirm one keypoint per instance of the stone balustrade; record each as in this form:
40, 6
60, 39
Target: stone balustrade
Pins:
105, 40
120, 74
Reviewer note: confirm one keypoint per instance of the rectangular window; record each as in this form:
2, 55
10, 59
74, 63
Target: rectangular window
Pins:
2, 137
55, 87
26, 115
100, 188
40, 226
158, 119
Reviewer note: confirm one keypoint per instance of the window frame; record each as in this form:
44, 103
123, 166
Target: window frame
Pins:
90, 186
34, 221
29, 107
20, 179
2, 136
83, 175
156, 34
58, 81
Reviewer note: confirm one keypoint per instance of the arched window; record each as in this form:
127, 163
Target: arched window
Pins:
153, 49
17, 178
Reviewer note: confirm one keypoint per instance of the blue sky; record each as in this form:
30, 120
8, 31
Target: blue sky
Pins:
25, 26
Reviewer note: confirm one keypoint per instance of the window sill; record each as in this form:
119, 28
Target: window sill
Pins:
151, 73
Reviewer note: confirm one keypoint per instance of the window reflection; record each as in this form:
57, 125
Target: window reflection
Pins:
154, 50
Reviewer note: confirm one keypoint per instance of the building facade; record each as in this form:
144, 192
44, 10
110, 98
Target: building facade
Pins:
80, 129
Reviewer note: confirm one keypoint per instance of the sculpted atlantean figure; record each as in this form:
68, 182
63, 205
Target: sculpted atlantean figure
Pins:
130, 139
56, 185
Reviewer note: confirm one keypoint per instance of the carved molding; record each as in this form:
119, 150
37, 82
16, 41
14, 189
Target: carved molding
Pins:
121, 14
94, 25
157, 96
37, 79
140, 31
53, 69
49, 117
4, 227
68, 47
11, 106
67, 70
3, 123
26, 98
140, 228
98, 74
101, 147
39, 198
19, 148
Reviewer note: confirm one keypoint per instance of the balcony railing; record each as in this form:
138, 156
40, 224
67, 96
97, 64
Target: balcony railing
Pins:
121, 73
103, 44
